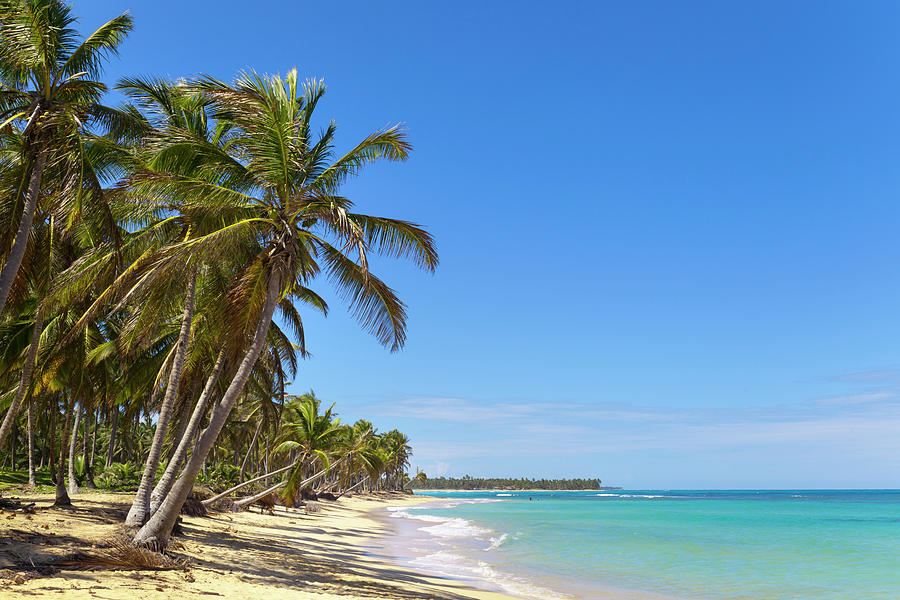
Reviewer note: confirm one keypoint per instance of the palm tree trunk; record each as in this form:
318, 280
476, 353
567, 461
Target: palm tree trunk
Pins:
262, 420
51, 440
354, 486
12, 447
62, 498
251, 499
140, 508
209, 501
94, 436
182, 421
73, 484
32, 480
45, 439
110, 450
266, 455
168, 477
25, 377
157, 530
85, 436
14, 260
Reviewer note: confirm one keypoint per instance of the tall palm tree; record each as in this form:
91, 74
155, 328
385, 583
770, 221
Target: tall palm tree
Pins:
48, 83
285, 183
48, 103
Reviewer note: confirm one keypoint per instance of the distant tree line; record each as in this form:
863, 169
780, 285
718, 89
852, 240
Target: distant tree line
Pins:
468, 482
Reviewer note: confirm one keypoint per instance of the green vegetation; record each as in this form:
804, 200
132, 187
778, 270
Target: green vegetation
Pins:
502, 483
157, 259
11, 478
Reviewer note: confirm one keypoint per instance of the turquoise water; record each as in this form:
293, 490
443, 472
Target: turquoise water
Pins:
723, 545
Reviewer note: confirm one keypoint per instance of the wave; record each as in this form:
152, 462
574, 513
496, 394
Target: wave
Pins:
635, 496
457, 566
496, 542
444, 527
456, 528
505, 494
457, 549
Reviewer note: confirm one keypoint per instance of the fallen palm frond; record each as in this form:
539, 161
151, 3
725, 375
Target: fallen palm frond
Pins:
120, 555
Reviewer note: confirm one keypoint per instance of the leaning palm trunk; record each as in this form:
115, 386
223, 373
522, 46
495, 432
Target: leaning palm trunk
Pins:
25, 376
250, 500
140, 508
14, 260
262, 420
73, 484
168, 477
157, 530
354, 486
209, 501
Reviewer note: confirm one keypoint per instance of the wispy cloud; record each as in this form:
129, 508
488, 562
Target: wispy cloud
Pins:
464, 410
890, 375
850, 399
873, 432
865, 422
460, 410
855, 427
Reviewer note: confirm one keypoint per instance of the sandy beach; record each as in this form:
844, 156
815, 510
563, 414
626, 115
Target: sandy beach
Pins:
329, 554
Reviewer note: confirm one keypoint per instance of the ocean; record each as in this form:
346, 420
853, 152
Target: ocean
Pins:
687, 545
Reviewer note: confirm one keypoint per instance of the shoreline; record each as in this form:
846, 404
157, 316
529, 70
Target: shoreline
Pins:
417, 544
330, 554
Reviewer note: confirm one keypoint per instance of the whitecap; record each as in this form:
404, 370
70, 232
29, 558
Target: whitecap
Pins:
638, 496
496, 542
455, 528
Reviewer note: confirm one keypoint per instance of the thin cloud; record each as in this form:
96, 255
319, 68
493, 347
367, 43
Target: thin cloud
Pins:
851, 399
873, 376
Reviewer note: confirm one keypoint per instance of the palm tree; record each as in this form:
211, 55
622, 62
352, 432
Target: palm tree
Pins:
359, 452
308, 436
47, 82
284, 182
397, 453
47, 104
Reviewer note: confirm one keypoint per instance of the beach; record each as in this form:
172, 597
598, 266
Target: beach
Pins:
333, 553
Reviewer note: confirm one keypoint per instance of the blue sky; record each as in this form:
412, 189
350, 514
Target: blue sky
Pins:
668, 231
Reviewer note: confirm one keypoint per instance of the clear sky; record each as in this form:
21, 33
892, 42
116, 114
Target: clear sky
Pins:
668, 230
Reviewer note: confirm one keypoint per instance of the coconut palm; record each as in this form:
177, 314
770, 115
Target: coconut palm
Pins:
397, 452
49, 107
284, 181
308, 436
48, 84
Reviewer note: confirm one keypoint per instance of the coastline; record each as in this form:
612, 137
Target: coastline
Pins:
461, 549
331, 554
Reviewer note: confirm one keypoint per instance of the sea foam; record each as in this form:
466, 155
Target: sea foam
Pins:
450, 559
